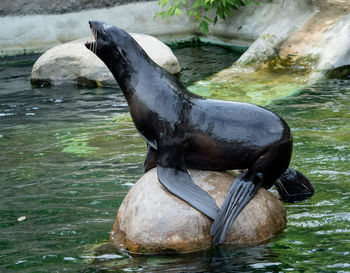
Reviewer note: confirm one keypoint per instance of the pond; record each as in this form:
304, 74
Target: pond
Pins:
69, 154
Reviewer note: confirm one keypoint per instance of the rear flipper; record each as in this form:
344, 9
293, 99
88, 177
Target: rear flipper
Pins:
242, 190
293, 186
173, 174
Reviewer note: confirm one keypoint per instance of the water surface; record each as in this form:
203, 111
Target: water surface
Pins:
68, 156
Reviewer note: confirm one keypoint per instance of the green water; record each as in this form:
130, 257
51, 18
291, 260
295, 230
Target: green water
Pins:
68, 156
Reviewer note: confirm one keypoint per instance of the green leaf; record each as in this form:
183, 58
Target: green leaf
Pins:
208, 19
197, 4
194, 8
177, 11
163, 3
204, 27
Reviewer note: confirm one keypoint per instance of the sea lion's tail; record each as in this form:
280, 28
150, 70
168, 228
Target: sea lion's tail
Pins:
293, 186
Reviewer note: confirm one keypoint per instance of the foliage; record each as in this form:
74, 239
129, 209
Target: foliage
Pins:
195, 9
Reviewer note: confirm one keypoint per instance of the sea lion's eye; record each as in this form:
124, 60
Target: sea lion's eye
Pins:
104, 32
106, 27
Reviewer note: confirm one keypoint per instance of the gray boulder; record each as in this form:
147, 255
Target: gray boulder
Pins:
152, 220
333, 49
73, 63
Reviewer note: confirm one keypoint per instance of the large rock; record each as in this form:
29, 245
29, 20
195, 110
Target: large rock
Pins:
333, 49
276, 21
73, 63
151, 220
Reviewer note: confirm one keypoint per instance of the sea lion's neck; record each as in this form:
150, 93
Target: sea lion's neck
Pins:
125, 79
129, 69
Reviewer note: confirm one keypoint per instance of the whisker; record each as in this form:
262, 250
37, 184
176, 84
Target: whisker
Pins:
90, 39
281, 185
94, 33
305, 186
95, 41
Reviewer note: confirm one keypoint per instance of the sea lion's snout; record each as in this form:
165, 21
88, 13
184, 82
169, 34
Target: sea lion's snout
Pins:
95, 28
102, 35
95, 24
106, 37
99, 27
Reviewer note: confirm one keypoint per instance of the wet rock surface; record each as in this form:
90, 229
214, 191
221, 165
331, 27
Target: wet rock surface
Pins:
152, 220
73, 63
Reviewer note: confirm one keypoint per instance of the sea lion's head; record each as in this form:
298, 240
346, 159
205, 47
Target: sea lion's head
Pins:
112, 45
293, 186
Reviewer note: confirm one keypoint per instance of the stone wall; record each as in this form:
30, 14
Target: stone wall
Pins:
38, 32
31, 7
268, 29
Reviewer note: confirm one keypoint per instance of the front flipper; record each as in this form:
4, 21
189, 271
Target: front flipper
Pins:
242, 190
151, 159
173, 175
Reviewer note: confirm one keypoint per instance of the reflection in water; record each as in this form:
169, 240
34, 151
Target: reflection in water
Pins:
221, 259
69, 155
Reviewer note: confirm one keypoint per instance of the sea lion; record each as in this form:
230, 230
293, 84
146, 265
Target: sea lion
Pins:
183, 130
293, 186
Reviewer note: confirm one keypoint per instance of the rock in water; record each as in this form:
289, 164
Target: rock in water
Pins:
73, 63
152, 220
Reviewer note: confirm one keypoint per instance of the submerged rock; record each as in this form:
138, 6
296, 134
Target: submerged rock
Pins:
152, 220
73, 63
